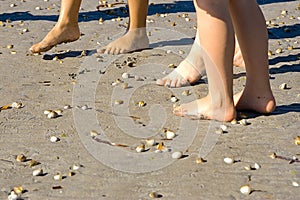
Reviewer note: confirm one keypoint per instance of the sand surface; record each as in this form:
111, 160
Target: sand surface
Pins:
109, 172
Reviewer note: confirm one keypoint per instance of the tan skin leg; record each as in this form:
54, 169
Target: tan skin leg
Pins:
253, 39
218, 55
65, 30
136, 37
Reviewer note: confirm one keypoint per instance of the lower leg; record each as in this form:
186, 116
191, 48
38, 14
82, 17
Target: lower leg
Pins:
217, 48
65, 30
253, 40
136, 37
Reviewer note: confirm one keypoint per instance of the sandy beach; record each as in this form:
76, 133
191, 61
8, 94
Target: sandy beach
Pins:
110, 105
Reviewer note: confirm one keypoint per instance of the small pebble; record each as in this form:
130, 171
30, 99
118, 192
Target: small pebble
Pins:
54, 139
170, 134
21, 158
295, 184
257, 166
85, 107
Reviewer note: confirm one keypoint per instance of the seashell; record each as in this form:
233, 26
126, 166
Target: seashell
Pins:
161, 147
173, 24
246, 189
257, 166
52, 115
234, 121
186, 93
12, 5
187, 19
283, 86
244, 122
46, 112
125, 75
59, 112
169, 134
118, 102
124, 86
181, 52
9, 46
33, 163
150, 142
140, 148
37, 172
297, 140
38, 8
171, 66
154, 195
66, 107
18, 190
94, 133
84, 107
114, 84
138, 78
25, 30
13, 52
284, 12
75, 167
71, 174
273, 156
174, 99
12, 196
229, 160
16, 105
54, 139
270, 53
295, 184
21, 158
219, 131
141, 104
223, 127
279, 50
177, 155
200, 160
248, 168
57, 176
290, 48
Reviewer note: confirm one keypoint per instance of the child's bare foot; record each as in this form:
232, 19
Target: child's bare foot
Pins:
133, 40
59, 34
203, 109
189, 71
263, 103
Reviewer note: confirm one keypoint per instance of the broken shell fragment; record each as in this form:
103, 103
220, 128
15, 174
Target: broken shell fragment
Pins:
18, 190
244, 122
140, 148
229, 160
118, 102
297, 140
9, 46
12, 196
295, 184
223, 127
59, 112
84, 107
141, 104
246, 189
200, 160
234, 121
57, 176
248, 168
37, 172
170, 134
46, 112
71, 174
177, 155
33, 163
16, 105
154, 195
52, 115
283, 86
75, 167
161, 148
174, 99
171, 66
125, 75
257, 166
66, 107
150, 142
186, 93
94, 133
54, 139
219, 131
21, 158
279, 50
273, 155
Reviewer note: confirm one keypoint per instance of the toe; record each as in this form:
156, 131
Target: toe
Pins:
168, 83
107, 50
177, 110
160, 82
112, 50
117, 51
173, 83
101, 50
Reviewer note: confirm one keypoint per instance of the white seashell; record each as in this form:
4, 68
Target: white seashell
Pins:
245, 189
125, 75
234, 121
16, 105
37, 172
57, 176
170, 134
118, 102
248, 168
140, 148
66, 107
46, 112
177, 155
219, 131
94, 133
12, 196
18, 190
283, 86
52, 115
59, 112
75, 167
85, 107
257, 166
174, 99
54, 139
200, 160
154, 195
244, 122
114, 84
150, 142
229, 160
295, 184
223, 127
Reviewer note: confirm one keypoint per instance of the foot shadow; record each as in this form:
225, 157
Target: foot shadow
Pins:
70, 54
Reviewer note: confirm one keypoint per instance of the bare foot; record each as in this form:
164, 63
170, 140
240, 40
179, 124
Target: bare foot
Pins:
189, 71
203, 109
59, 34
238, 59
133, 40
252, 101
